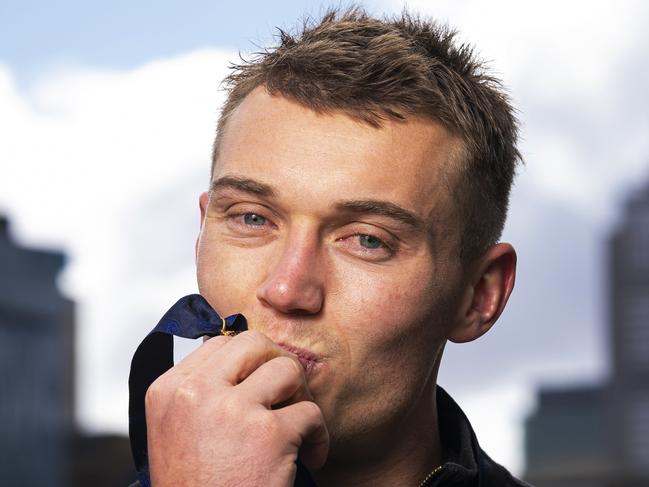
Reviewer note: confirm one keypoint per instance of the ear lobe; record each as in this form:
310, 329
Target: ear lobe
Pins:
486, 294
202, 204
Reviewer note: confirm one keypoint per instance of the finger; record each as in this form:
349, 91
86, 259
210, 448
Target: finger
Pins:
242, 355
192, 361
310, 433
187, 367
276, 381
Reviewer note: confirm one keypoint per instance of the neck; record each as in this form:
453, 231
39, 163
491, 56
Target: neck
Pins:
409, 450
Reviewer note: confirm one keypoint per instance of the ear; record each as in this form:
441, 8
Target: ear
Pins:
486, 294
202, 203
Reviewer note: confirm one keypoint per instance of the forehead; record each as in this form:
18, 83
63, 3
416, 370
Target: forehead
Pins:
324, 155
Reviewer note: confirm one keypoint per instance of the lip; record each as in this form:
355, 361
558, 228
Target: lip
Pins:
310, 361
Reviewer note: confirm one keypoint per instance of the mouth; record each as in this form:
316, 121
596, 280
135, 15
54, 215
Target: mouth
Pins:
311, 362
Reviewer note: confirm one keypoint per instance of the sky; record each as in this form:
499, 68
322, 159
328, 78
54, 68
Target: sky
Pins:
107, 113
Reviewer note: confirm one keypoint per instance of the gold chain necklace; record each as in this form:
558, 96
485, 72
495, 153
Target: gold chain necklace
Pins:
430, 476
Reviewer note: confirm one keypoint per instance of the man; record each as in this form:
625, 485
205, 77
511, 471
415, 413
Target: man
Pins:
360, 183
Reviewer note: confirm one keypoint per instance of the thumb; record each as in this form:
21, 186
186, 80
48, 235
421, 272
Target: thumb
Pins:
310, 433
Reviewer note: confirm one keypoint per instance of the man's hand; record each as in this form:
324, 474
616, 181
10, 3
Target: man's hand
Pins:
234, 412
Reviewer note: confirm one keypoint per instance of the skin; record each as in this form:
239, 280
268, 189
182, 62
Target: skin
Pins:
372, 293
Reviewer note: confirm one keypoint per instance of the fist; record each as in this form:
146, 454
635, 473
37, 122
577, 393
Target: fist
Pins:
237, 411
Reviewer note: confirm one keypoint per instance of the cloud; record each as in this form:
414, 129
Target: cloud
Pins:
108, 166
576, 71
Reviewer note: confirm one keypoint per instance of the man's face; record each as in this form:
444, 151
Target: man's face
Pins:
337, 240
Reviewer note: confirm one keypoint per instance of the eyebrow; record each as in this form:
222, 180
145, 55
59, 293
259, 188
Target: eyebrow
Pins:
243, 184
368, 206
383, 208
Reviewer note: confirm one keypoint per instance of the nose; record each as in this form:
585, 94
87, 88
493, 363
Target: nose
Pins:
295, 284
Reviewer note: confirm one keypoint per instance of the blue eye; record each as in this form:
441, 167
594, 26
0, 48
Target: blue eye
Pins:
254, 219
370, 242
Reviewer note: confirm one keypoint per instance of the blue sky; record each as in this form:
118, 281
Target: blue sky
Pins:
36, 35
107, 112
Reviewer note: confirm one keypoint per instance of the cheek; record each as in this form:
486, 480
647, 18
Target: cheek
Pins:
402, 315
393, 326
225, 278
394, 330
387, 303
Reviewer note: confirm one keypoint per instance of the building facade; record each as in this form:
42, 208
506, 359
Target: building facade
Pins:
629, 336
36, 367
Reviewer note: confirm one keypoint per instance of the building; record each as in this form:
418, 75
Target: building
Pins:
101, 461
629, 336
598, 436
565, 443
36, 366
39, 444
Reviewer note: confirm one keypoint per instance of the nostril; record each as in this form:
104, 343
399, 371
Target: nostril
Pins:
299, 312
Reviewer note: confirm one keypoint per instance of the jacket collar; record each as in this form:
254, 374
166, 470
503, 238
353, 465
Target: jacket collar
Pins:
462, 454
460, 446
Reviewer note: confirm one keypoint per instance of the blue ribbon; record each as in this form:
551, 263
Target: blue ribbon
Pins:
191, 317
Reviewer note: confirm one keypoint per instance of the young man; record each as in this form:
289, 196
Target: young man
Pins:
360, 183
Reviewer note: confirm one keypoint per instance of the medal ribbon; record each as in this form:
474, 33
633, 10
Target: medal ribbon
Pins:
191, 317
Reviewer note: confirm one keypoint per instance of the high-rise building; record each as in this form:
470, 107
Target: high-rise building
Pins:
566, 443
599, 435
36, 367
629, 338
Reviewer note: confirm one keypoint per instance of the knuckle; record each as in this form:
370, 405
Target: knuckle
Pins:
312, 411
216, 341
265, 427
230, 406
168, 392
253, 337
186, 394
156, 392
